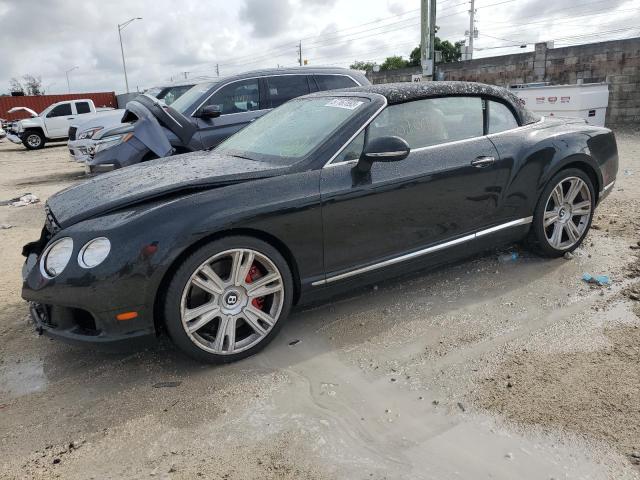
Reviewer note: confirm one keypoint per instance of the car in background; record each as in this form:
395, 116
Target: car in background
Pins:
208, 113
327, 192
52, 124
81, 134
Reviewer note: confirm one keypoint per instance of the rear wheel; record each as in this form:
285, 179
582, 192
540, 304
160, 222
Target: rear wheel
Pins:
564, 212
33, 140
229, 299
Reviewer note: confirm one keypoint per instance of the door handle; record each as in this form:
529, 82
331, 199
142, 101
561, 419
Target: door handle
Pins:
483, 161
70, 118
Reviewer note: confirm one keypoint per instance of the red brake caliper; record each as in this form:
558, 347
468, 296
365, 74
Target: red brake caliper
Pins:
252, 276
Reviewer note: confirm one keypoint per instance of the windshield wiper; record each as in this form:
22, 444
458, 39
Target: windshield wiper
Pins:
240, 156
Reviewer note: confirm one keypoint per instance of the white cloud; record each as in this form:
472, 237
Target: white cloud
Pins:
47, 37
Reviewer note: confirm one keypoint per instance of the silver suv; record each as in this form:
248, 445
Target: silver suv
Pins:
208, 113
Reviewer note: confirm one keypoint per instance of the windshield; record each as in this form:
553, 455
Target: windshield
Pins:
291, 132
191, 96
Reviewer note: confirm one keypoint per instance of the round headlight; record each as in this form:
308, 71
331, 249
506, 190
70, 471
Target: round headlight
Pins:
94, 252
56, 257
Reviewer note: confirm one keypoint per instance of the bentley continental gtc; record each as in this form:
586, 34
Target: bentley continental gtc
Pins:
326, 192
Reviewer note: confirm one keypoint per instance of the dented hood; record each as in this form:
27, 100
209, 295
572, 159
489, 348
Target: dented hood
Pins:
154, 179
26, 109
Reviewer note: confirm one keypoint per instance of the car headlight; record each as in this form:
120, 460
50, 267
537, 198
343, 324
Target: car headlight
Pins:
56, 257
94, 252
109, 142
89, 133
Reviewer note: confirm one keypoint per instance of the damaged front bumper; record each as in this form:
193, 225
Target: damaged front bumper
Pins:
83, 305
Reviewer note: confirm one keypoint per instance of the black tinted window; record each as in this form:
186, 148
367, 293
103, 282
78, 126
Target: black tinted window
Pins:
284, 88
61, 110
83, 107
332, 82
432, 121
237, 97
500, 118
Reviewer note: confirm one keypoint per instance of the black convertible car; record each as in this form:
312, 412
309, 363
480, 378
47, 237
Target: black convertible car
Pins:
327, 191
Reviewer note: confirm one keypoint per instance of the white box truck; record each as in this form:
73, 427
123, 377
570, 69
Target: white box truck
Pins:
586, 100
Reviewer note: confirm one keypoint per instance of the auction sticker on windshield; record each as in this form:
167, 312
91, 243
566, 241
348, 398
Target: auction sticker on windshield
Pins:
347, 103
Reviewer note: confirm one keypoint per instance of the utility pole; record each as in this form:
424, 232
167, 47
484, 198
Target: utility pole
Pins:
122, 26
67, 74
217, 70
427, 36
300, 53
186, 74
472, 28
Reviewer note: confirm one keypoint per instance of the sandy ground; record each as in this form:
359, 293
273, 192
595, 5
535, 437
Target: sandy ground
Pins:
476, 370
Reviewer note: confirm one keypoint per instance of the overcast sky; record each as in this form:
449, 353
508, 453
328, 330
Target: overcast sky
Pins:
47, 37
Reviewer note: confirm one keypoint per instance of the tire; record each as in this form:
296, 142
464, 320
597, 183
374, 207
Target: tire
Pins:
215, 316
560, 223
33, 140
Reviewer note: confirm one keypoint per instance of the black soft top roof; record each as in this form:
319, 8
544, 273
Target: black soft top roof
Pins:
407, 91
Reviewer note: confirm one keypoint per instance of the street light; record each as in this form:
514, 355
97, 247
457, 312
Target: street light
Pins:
67, 74
122, 26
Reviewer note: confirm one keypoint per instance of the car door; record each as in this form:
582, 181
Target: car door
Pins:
445, 189
240, 102
58, 120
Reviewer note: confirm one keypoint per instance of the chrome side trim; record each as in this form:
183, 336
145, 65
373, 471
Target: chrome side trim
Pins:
608, 187
425, 251
358, 132
387, 154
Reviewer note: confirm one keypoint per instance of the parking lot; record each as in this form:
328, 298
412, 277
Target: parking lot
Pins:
480, 369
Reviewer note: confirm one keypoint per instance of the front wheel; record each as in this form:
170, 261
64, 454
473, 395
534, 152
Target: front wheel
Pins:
563, 214
33, 140
228, 299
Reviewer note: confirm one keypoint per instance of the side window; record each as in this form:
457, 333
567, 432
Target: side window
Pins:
352, 151
284, 88
500, 118
237, 97
332, 82
83, 107
63, 110
423, 123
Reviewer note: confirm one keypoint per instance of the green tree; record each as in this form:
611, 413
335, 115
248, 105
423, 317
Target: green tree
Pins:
394, 63
360, 65
451, 52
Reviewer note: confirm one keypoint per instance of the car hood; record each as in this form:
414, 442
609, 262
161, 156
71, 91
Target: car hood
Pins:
99, 119
152, 180
26, 109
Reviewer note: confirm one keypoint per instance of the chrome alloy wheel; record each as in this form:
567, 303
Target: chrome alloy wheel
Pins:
34, 140
232, 301
567, 213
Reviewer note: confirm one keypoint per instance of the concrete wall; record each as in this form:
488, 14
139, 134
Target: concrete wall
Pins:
616, 62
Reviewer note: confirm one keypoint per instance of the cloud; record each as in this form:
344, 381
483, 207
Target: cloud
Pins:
267, 17
47, 37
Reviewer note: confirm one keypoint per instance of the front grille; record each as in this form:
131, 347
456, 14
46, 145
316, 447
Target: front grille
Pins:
72, 133
50, 221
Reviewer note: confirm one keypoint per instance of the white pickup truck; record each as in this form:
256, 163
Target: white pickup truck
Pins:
52, 124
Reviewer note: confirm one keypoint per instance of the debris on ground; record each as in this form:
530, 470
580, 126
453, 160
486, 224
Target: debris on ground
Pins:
166, 384
294, 342
508, 257
21, 201
568, 256
5, 226
600, 280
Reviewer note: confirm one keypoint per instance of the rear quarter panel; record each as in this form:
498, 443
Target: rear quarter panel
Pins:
530, 156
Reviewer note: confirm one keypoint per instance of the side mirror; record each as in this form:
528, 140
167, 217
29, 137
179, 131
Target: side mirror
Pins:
383, 149
210, 111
